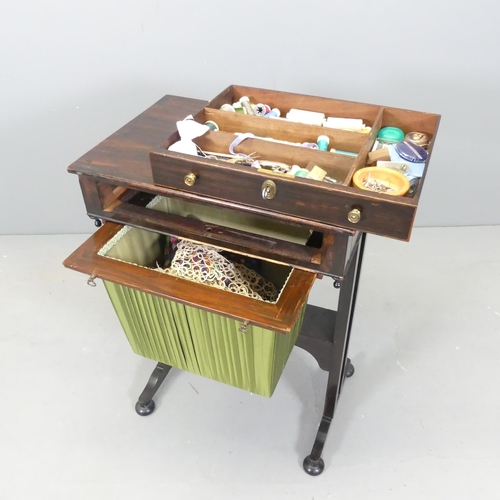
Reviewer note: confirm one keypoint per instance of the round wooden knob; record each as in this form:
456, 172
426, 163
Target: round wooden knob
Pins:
354, 216
190, 179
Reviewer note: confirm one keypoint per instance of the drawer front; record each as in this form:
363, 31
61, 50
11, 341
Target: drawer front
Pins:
299, 243
307, 199
280, 316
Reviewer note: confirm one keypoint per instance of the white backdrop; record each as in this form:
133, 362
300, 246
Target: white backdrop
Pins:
73, 72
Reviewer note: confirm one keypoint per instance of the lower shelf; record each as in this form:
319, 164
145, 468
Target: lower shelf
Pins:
316, 335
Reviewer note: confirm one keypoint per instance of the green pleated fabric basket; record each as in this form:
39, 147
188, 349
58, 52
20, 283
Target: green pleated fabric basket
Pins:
201, 342
190, 338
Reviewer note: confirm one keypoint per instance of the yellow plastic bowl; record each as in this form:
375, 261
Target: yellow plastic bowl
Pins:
396, 181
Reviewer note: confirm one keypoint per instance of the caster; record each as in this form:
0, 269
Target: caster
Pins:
97, 221
143, 409
312, 467
350, 370
337, 284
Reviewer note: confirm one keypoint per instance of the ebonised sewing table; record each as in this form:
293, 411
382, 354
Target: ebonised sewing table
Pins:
121, 175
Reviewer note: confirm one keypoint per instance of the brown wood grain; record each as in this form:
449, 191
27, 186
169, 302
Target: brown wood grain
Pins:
153, 190
279, 317
123, 157
130, 209
307, 199
362, 159
284, 101
283, 130
123, 160
337, 165
243, 242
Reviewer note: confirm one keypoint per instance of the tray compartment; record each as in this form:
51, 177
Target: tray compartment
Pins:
283, 130
321, 202
337, 166
285, 101
407, 121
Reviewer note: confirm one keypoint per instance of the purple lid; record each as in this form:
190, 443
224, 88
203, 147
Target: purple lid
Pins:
411, 152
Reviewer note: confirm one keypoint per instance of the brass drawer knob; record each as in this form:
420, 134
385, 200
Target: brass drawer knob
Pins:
190, 179
268, 190
354, 216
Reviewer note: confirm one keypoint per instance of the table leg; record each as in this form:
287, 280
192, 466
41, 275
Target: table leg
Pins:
145, 404
339, 366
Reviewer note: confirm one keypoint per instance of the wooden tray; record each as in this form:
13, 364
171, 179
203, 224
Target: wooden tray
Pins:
302, 198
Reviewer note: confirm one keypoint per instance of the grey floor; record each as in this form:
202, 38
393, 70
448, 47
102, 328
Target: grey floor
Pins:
420, 418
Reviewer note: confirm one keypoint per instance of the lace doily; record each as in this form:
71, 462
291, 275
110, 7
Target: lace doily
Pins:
204, 264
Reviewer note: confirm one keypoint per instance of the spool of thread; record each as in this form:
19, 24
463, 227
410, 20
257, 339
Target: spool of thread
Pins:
212, 125
274, 113
344, 123
294, 169
303, 172
245, 102
341, 152
239, 108
306, 117
227, 107
417, 138
323, 142
262, 109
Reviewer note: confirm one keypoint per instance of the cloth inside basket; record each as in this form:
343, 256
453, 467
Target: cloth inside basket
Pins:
205, 264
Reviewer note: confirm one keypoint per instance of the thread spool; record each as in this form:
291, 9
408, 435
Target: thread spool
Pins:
417, 138
261, 109
294, 169
227, 107
212, 125
344, 123
323, 142
342, 152
274, 113
245, 102
306, 117
239, 108
303, 172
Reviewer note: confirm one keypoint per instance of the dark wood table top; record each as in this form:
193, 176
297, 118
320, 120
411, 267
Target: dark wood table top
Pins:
123, 158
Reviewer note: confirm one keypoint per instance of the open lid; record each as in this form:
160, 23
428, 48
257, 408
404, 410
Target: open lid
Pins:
280, 316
